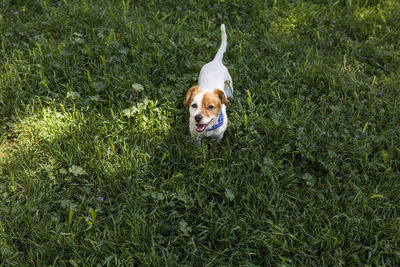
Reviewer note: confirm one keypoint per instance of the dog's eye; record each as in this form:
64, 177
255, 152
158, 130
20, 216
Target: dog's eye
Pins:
194, 106
210, 107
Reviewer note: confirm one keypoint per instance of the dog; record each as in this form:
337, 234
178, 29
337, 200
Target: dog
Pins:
208, 100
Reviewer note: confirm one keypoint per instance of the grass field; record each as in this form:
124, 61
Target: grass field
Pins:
97, 166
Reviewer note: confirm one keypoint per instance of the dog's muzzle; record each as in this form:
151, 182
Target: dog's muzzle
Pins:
200, 127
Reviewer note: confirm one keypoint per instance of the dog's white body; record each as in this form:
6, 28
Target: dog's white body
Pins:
215, 83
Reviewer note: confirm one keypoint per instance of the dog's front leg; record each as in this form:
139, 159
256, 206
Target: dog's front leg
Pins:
197, 137
198, 140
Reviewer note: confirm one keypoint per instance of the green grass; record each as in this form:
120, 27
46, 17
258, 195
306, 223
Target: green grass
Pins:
97, 166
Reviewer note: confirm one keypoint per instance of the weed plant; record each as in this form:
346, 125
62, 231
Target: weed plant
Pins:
97, 166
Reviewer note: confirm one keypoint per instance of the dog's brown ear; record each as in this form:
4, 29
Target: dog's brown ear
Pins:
189, 95
222, 96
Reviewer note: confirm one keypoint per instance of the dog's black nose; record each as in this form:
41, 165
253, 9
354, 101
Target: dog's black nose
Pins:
198, 118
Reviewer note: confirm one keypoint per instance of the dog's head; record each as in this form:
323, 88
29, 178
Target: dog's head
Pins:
204, 107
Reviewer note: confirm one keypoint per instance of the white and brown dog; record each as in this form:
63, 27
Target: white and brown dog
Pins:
208, 101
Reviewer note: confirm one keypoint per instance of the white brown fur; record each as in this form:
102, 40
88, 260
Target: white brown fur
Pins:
207, 99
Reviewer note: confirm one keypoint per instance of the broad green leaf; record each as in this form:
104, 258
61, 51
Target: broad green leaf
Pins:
77, 170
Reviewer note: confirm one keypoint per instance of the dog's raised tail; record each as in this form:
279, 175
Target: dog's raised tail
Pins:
224, 43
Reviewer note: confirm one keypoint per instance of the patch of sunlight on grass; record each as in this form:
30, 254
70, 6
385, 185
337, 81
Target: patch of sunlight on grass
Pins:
286, 25
297, 18
47, 124
376, 13
148, 117
121, 139
367, 13
143, 119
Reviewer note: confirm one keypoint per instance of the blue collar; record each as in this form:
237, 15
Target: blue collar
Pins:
220, 121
